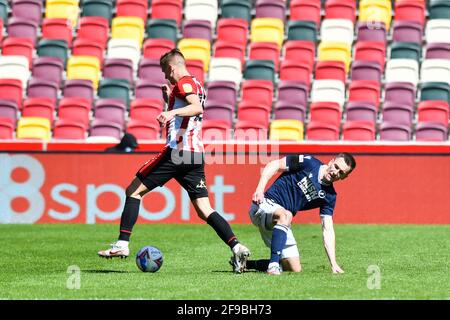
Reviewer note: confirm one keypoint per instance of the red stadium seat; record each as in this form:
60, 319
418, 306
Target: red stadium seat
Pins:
371, 51
254, 112
433, 111
132, 8
295, 71
299, 50
69, 129
317, 130
265, 51
167, 9
213, 130
57, 29
306, 10
358, 131
19, 47
155, 48
195, 68
249, 131
341, 9
260, 91
366, 91
331, 70
95, 29
233, 30
326, 112
226, 49
144, 130
6, 128
87, 47
75, 110
11, 89
145, 109
39, 107
406, 10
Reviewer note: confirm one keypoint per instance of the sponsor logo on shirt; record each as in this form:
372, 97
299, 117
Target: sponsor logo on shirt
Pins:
309, 190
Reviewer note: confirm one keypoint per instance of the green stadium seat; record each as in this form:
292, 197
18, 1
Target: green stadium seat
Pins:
97, 8
162, 29
260, 69
236, 9
302, 30
435, 91
4, 11
406, 50
439, 9
53, 48
115, 89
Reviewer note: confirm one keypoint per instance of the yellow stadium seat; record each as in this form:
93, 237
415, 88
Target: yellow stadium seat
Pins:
335, 51
286, 129
63, 9
373, 11
84, 67
196, 49
128, 28
267, 30
34, 128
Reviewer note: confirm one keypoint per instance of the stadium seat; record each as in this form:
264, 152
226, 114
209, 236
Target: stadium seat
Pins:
145, 110
389, 131
300, 50
112, 110
15, 67
249, 110
435, 70
430, 131
131, 28
357, 110
270, 9
124, 49
22, 28
302, 30
366, 70
306, 10
95, 29
439, 9
222, 91
76, 110
12, 90
196, 69
371, 51
84, 67
225, 69
406, 50
66, 129
148, 89
196, 49
232, 30
375, 11
39, 107
400, 92
437, 30
365, 91
79, 89
437, 51
225, 49
358, 131
118, 69
267, 30
328, 91
33, 128
330, 70
260, 69
19, 47
155, 48
236, 9
143, 130
260, 91
9, 109
103, 128
28, 9
338, 9
394, 112
4, 10
162, 29
53, 48
402, 70
326, 112
433, 111
41, 88
295, 71
286, 129
87, 47
413, 11
98, 8
115, 89
435, 91
287, 110
201, 10
132, 8
322, 131
335, 51
57, 29
265, 50
369, 32
64, 9
218, 110
216, 130
337, 30
150, 69
407, 31
249, 131
293, 92
167, 9
197, 29
6, 129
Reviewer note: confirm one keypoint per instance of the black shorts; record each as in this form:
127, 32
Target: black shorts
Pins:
188, 168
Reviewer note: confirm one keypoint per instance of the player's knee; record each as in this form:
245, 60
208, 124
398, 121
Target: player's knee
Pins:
283, 217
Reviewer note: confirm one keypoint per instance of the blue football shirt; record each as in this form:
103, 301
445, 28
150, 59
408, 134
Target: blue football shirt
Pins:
299, 188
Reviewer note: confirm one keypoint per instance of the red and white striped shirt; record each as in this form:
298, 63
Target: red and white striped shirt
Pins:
185, 133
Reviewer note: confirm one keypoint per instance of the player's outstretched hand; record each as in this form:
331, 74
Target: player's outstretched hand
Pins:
337, 269
258, 197
165, 92
164, 117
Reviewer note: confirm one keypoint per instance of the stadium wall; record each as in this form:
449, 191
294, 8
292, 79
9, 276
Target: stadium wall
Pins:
58, 183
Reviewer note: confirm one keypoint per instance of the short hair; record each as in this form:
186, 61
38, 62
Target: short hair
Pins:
168, 56
349, 160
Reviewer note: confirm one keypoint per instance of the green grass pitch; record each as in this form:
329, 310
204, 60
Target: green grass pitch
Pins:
413, 262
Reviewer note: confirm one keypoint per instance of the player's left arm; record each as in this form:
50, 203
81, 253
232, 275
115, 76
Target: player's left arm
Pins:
192, 109
329, 242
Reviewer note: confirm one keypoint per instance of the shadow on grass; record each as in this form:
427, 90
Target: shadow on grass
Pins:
106, 271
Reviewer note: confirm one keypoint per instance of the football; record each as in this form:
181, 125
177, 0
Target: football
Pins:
149, 259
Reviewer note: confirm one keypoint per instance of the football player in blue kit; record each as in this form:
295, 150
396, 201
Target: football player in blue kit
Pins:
305, 183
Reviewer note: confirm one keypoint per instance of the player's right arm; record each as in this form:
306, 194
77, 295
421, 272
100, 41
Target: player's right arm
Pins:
271, 169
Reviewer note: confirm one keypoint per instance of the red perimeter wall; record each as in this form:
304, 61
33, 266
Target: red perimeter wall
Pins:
391, 184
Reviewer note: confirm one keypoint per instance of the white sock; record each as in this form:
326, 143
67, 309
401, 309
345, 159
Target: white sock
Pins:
235, 249
122, 243
273, 264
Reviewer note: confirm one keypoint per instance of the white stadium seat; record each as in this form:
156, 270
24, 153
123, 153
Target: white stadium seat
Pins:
124, 49
337, 30
402, 70
15, 67
435, 70
328, 91
225, 69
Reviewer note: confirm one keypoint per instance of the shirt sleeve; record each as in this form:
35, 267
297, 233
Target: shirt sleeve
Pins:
328, 209
186, 86
297, 162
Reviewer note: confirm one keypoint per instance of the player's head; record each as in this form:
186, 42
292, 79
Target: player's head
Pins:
340, 167
172, 63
